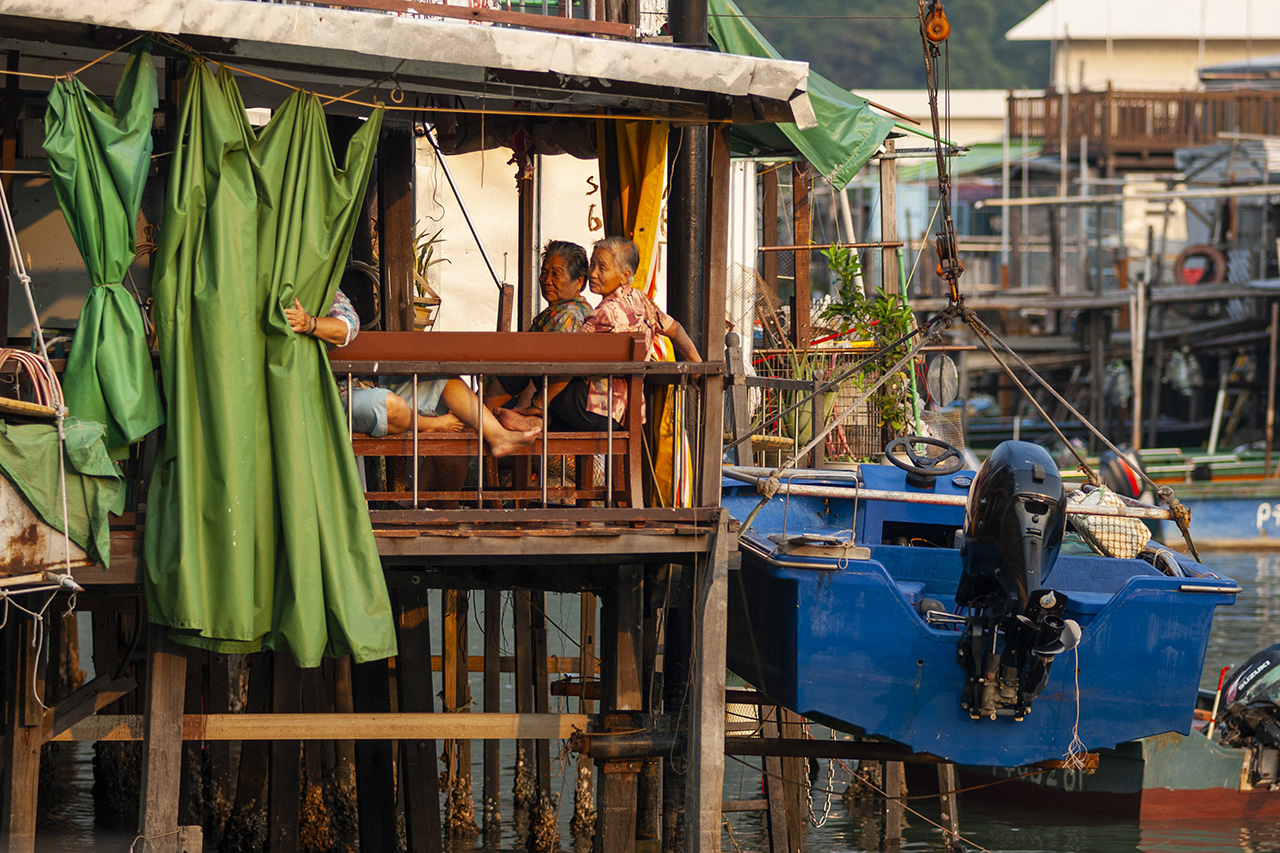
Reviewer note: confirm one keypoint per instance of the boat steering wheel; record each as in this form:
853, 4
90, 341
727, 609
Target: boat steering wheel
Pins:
922, 470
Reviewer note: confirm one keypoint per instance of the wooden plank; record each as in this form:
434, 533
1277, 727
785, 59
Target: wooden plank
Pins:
485, 347
162, 730
360, 726
283, 802
395, 227
417, 695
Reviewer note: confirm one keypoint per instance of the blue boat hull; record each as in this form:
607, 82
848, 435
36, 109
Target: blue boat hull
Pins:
840, 640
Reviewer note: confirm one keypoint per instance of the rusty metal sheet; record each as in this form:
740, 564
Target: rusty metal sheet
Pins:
27, 544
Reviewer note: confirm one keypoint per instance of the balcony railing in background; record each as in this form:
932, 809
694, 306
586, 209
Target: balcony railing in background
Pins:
582, 18
1142, 125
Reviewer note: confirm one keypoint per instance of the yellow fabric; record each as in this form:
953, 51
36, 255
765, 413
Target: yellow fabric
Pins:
642, 178
642, 173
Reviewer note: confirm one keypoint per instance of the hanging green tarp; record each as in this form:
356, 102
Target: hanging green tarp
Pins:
257, 532
99, 158
29, 458
848, 133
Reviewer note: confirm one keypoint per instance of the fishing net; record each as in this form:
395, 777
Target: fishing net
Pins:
1111, 536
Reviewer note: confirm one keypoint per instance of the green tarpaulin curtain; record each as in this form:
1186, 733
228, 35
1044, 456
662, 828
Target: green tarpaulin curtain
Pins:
848, 133
99, 158
257, 532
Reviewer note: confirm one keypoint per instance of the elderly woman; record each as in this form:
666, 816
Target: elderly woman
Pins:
588, 404
561, 280
445, 404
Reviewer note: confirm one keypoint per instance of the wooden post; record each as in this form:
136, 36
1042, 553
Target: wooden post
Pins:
527, 250
769, 214
375, 784
492, 793
417, 695
541, 681
947, 785
162, 741
395, 226
739, 407
705, 778
523, 794
801, 333
893, 804
254, 759
622, 692
775, 795
460, 806
707, 492
584, 809
283, 803
1271, 384
21, 780
888, 217
12, 105
677, 659
795, 778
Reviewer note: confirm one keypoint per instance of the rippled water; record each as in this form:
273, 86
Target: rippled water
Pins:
1238, 632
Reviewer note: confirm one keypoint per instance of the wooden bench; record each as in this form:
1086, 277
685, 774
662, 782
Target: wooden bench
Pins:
491, 354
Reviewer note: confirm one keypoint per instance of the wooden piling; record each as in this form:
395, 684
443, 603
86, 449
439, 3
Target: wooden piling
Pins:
492, 793
283, 803
893, 786
419, 768
21, 779
947, 785
460, 814
162, 742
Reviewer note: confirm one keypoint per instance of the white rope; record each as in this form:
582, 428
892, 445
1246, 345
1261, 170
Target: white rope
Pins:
15, 253
1076, 750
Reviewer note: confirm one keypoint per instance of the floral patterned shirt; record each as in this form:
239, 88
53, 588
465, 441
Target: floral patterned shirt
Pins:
627, 309
565, 316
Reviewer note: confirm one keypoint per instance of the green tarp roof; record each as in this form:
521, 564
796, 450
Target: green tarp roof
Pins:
848, 133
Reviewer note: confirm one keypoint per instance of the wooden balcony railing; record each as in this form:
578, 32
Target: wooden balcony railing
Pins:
556, 17
1142, 125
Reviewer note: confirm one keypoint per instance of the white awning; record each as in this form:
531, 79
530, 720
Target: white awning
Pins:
441, 56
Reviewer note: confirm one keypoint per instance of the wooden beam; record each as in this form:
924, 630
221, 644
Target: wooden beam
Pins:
357, 726
21, 756
395, 226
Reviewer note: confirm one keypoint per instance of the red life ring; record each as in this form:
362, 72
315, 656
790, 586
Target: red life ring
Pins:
1200, 263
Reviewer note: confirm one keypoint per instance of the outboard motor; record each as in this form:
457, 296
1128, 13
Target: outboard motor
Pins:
1013, 531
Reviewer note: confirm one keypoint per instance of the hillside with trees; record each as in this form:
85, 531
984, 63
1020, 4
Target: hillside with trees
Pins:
875, 44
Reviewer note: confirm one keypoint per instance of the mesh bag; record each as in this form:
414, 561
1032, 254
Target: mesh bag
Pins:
1111, 536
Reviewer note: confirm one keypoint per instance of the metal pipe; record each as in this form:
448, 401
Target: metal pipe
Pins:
462, 205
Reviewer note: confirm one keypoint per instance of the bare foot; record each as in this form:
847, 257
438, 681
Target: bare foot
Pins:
440, 423
513, 420
512, 440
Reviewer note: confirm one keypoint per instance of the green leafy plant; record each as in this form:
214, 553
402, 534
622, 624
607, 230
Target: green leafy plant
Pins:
883, 318
424, 249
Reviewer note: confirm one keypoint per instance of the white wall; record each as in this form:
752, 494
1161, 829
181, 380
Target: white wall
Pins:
567, 207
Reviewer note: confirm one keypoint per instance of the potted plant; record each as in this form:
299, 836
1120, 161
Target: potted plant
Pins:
426, 301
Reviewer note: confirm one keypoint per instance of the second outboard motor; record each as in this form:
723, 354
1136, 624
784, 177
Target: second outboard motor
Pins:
1014, 523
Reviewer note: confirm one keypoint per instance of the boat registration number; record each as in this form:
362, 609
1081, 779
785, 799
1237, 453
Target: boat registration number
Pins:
1267, 513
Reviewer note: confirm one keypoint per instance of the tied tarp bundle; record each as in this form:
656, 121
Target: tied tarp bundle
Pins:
257, 531
99, 158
